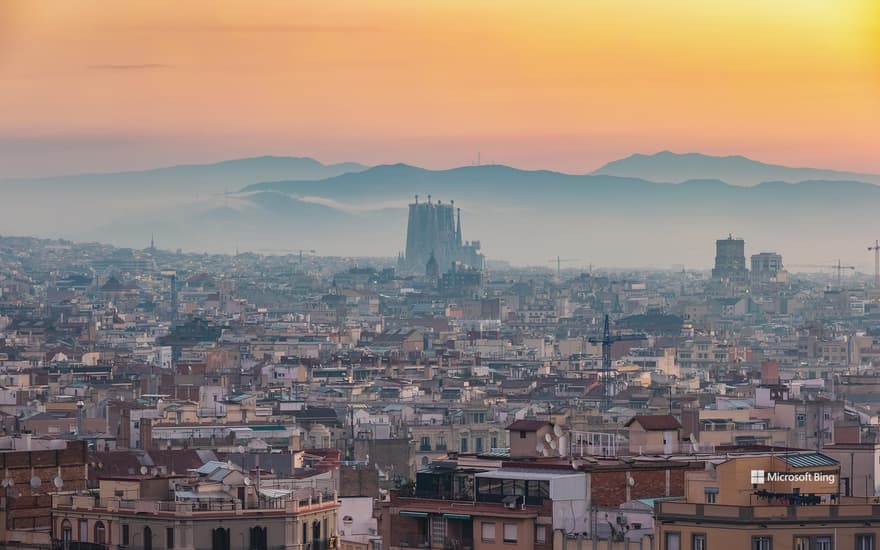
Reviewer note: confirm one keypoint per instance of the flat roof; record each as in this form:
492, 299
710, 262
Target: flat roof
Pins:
541, 475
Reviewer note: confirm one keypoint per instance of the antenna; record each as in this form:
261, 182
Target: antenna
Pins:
35, 482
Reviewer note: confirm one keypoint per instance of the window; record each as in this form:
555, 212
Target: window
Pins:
66, 532
125, 534
541, 534
148, 539
510, 532
801, 420
802, 543
258, 538
478, 444
672, 542
488, 534
823, 542
220, 539
169, 537
699, 542
464, 445
522, 435
865, 542
83, 530
494, 442
711, 494
762, 543
100, 532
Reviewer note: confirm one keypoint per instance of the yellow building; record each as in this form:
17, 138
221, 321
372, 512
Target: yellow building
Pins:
767, 502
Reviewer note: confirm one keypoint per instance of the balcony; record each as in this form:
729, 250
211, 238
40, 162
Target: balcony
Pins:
195, 508
856, 510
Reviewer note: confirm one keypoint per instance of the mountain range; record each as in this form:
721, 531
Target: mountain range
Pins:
735, 170
617, 218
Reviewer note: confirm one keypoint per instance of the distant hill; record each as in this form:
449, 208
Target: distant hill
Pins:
736, 170
518, 215
521, 215
217, 177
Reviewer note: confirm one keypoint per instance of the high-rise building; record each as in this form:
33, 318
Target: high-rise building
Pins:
434, 229
730, 259
766, 266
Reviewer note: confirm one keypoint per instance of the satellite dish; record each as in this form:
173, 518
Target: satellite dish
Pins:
7, 482
630, 481
57, 482
241, 449
539, 447
144, 470
247, 481
557, 430
553, 444
548, 437
35, 482
545, 452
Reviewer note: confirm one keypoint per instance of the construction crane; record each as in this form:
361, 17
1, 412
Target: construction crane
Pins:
559, 261
876, 249
838, 266
607, 341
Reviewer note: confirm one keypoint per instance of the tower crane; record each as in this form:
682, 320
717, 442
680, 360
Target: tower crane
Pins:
876, 249
607, 340
559, 261
838, 266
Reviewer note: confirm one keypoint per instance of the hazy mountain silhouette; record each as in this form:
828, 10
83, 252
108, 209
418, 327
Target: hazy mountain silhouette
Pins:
217, 177
521, 216
735, 170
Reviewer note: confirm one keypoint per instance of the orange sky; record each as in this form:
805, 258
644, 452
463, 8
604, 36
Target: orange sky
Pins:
97, 85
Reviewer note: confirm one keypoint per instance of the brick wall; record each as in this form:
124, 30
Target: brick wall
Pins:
30, 507
609, 488
358, 482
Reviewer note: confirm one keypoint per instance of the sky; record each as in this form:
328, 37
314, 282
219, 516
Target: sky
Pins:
91, 85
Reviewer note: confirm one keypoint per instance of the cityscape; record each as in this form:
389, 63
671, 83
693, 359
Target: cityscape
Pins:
441, 275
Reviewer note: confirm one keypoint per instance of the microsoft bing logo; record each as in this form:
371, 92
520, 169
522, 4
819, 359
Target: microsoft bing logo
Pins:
757, 477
